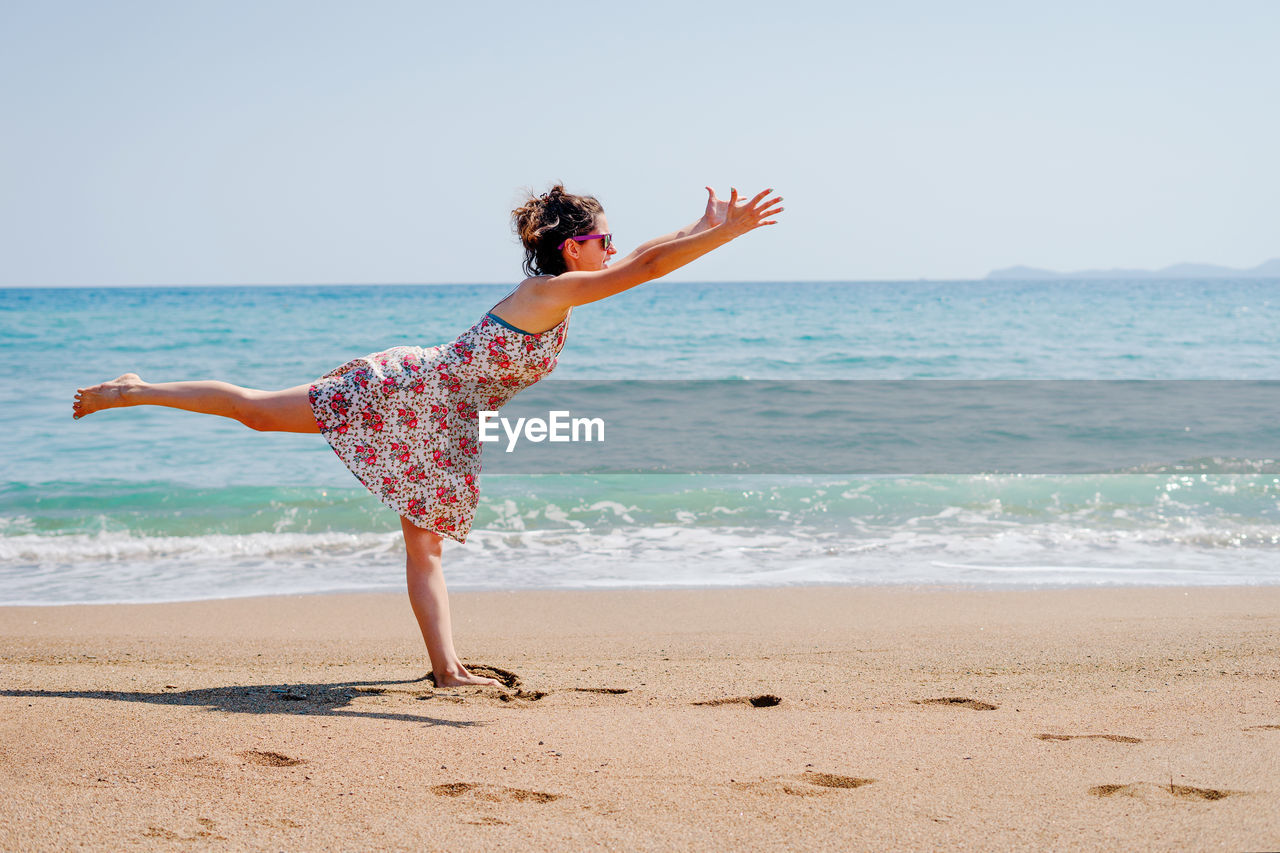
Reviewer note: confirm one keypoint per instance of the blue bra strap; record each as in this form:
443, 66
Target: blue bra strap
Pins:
503, 322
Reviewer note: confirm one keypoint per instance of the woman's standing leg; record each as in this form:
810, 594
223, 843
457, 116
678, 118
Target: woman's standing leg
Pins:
269, 411
430, 601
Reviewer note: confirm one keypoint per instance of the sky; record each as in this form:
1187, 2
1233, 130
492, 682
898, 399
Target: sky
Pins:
274, 142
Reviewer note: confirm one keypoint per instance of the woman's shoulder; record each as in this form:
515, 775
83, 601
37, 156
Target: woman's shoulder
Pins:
537, 291
533, 305
536, 281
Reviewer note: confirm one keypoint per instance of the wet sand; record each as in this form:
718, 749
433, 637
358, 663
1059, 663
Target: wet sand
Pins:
804, 718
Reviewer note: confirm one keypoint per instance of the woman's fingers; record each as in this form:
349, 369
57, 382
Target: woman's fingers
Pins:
754, 212
765, 209
758, 201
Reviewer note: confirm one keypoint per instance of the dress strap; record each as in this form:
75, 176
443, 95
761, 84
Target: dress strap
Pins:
502, 322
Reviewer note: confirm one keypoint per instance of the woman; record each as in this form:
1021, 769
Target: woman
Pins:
404, 420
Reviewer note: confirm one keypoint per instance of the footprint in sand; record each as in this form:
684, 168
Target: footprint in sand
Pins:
1112, 738
831, 780
812, 784
204, 834
269, 759
535, 695
492, 793
957, 702
767, 700
522, 695
1150, 791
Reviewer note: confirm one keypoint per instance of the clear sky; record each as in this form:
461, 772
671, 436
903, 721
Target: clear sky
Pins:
316, 142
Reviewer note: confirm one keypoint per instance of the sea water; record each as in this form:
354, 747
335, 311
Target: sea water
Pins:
152, 504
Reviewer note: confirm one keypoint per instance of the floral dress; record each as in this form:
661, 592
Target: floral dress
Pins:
405, 420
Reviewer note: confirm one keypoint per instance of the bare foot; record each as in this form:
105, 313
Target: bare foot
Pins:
462, 678
107, 395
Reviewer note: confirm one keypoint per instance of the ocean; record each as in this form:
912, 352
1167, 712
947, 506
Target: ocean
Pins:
150, 504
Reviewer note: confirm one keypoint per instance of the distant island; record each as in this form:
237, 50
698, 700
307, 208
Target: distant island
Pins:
1270, 269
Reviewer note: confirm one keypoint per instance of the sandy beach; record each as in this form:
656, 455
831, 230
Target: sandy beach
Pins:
796, 718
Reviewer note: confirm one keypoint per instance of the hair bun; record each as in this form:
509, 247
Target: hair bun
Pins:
545, 221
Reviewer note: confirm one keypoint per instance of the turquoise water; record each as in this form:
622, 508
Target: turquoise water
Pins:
154, 504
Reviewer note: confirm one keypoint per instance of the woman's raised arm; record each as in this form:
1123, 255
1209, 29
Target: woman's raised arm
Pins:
713, 216
666, 254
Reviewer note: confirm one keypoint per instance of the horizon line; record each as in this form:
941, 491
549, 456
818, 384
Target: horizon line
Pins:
1059, 278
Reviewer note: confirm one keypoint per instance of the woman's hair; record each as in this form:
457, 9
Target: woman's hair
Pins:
546, 221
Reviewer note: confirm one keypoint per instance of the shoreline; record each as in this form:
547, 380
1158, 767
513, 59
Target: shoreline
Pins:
1136, 718
461, 589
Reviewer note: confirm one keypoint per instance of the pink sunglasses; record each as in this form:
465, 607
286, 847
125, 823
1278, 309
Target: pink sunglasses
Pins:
607, 240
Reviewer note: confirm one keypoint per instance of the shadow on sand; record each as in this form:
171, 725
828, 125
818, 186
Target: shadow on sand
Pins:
329, 700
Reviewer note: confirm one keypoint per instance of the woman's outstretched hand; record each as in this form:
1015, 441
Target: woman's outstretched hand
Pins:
739, 217
718, 208
715, 210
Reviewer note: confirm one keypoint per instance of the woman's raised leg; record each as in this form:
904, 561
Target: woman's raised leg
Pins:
430, 601
269, 411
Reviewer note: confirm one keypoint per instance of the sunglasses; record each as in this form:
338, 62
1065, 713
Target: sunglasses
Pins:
606, 240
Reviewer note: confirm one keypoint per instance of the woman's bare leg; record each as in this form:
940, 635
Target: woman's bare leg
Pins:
430, 601
269, 411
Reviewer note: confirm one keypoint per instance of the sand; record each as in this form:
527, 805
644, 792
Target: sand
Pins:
771, 719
